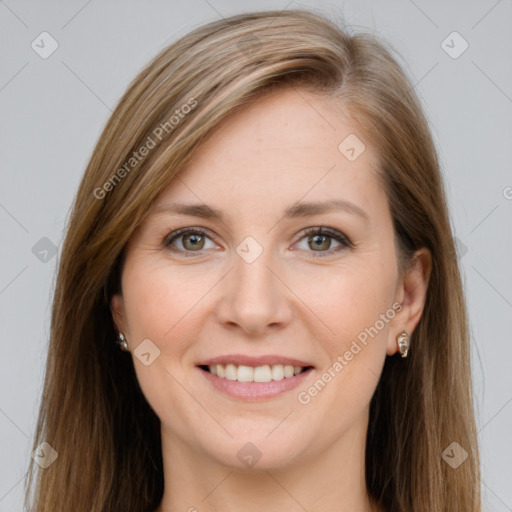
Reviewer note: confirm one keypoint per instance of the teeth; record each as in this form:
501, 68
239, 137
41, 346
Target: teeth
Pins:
289, 371
244, 373
264, 373
277, 372
231, 372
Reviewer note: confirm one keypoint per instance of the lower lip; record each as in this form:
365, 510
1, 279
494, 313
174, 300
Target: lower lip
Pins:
252, 391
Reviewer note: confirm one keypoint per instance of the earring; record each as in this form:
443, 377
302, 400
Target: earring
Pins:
122, 342
403, 343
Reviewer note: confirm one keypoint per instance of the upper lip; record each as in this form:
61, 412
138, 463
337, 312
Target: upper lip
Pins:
240, 359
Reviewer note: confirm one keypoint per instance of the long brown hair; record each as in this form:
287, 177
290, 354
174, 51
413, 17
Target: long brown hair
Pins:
93, 412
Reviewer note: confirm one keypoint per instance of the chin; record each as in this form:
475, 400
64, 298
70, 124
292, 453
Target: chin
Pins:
258, 453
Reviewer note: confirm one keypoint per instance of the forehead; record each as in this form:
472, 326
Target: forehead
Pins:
280, 148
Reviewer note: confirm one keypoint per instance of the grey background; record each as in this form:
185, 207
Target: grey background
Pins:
52, 111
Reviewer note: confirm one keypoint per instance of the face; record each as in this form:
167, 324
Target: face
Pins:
293, 284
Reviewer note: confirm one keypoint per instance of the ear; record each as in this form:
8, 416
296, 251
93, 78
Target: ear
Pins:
118, 313
412, 294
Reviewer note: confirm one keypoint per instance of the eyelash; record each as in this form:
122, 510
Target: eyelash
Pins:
323, 231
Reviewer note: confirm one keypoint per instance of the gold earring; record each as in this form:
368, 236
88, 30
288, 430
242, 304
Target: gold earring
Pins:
403, 343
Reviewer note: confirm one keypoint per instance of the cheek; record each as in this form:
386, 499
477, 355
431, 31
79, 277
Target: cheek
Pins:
163, 305
357, 307
158, 297
351, 306
350, 303
347, 300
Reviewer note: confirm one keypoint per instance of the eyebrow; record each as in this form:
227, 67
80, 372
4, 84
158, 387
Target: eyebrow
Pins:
297, 210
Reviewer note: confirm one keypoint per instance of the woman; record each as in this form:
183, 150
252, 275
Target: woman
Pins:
258, 305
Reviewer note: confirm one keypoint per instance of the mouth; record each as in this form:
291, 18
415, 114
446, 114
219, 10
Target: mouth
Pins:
264, 373
250, 378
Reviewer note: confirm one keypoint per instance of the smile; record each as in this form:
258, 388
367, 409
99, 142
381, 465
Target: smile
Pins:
265, 373
250, 378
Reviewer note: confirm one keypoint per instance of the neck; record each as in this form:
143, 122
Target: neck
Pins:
330, 481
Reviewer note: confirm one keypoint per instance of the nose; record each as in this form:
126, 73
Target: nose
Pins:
254, 297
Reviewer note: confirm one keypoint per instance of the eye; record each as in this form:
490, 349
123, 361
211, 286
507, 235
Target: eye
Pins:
319, 240
188, 240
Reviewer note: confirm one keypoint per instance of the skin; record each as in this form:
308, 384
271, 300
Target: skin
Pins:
266, 157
